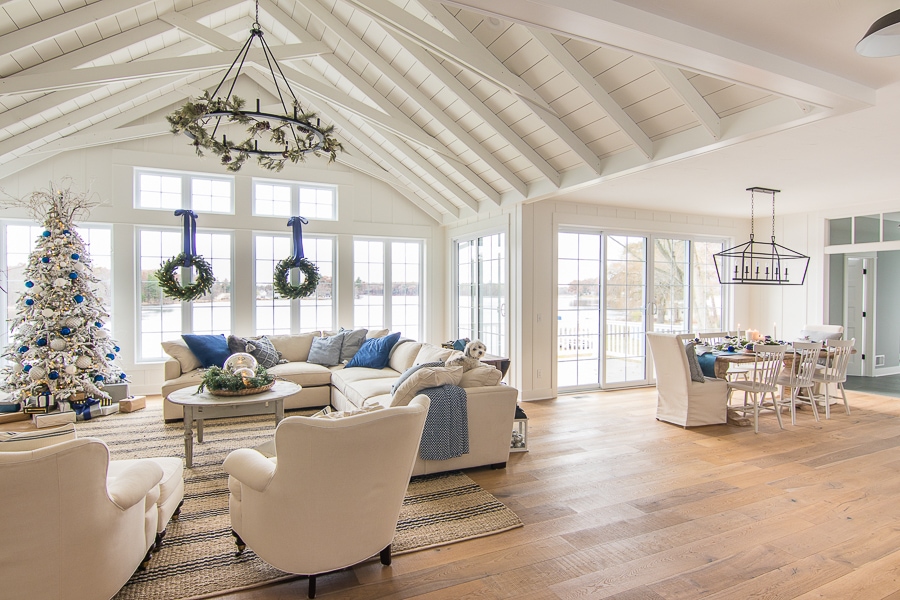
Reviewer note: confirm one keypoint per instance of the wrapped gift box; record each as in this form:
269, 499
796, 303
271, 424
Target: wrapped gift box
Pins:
132, 403
53, 419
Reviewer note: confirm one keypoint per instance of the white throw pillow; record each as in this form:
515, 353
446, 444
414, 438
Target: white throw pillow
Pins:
426, 377
178, 350
431, 353
483, 376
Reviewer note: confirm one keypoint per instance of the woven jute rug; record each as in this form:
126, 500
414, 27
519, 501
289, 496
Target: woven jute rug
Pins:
198, 559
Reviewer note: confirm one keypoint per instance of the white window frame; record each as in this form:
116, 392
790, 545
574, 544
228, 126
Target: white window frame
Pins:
479, 334
295, 207
187, 178
387, 275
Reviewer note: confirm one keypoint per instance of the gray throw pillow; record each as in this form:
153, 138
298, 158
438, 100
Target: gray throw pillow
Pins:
326, 351
263, 351
352, 342
693, 363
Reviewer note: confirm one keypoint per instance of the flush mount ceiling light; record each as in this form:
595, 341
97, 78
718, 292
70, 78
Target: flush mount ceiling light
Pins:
273, 139
761, 263
882, 38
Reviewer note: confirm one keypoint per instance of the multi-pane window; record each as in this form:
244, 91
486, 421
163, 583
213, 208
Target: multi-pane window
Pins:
397, 306
481, 291
284, 199
173, 190
163, 318
706, 291
275, 315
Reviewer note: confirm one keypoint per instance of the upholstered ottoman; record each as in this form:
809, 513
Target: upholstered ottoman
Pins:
171, 489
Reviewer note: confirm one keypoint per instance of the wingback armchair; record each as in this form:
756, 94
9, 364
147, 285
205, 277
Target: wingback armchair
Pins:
67, 532
332, 496
680, 400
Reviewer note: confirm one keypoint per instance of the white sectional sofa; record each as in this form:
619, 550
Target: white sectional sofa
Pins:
490, 408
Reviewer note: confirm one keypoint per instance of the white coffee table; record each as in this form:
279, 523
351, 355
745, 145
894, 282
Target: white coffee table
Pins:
203, 405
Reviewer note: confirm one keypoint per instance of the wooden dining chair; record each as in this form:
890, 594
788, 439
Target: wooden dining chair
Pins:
799, 377
834, 371
713, 338
763, 382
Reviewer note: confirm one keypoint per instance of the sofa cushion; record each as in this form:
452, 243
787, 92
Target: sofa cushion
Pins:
431, 353
179, 350
482, 376
403, 356
294, 348
376, 333
326, 351
342, 379
422, 378
362, 391
374, 353
210, 350
353, 341
303, 373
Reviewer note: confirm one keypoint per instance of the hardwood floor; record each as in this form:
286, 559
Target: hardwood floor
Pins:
619, 505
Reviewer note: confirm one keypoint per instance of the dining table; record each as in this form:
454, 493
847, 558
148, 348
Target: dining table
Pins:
722, 360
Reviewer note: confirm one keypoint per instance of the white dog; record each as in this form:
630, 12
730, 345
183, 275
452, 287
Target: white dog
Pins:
471, 356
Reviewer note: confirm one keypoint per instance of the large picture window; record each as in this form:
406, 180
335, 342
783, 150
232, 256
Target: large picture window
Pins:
481, 291
397, 306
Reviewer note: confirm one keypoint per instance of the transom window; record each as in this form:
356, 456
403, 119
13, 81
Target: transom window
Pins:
286, 198
171, 190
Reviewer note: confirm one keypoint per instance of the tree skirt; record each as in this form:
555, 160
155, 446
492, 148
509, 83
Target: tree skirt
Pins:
198, 559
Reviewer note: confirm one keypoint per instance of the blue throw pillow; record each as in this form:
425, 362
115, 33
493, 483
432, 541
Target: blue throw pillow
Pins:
209, 349
375, 353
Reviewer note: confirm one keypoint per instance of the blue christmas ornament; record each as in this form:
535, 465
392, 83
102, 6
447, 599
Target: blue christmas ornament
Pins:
26, 368
23, 349
29, 284
116, 348
66, 232
53, 375
98, 378
46, 234
73, 275
111, 356
121, 375
42, 342
65, 331
75, 256
45, 259
29, 302
79, 298
98, 323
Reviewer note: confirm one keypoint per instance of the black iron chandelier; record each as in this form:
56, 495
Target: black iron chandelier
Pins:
761, 263
273, 139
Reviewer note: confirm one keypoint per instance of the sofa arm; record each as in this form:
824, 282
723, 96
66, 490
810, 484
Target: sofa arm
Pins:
172, 369
134, 483
250, 468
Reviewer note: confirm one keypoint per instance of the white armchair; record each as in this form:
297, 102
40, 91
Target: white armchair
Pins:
332, 497
67, 532
680, 400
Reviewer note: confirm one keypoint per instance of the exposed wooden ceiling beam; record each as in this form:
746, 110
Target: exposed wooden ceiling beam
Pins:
599, 95
146, 69
200, 32
692, 99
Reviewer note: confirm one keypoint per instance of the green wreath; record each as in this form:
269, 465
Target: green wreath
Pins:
165, 275
282, 282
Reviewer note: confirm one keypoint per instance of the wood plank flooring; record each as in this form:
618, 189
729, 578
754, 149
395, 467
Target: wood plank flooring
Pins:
619, 505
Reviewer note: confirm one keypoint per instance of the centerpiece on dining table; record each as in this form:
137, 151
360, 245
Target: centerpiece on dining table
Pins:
745, 344
239, 376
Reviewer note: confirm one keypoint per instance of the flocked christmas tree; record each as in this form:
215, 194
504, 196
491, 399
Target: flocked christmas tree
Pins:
59, 349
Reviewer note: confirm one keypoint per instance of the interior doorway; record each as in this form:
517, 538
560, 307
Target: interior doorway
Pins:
859, 312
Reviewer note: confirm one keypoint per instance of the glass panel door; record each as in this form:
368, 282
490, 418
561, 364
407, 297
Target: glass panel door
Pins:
624, 354
578, 310
671, 285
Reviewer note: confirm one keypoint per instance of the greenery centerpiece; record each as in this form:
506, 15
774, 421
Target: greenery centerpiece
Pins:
221, 382
737, 343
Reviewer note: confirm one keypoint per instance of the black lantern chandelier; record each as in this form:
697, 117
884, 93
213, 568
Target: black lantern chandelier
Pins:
272, 138
761, 263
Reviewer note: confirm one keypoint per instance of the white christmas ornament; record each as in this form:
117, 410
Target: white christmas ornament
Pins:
37, 373
73, 322
59, 282
17, 368
48, 312
102, 334
58, 344
83, 362
25, 330
71, 369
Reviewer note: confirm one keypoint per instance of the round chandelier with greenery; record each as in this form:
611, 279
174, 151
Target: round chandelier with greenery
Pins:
273, 139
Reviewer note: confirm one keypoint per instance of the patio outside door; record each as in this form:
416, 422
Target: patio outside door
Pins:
625, 312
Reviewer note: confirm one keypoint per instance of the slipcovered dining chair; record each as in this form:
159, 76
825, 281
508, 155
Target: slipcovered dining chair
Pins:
763, 381
680, 399
68, 532
331, 497
799, 378
835, 371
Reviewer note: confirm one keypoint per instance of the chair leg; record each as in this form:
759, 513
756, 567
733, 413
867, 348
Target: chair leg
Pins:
386, 556
827, 403
793, 405
177, 512
241, 546
844, 396
159, 538
755, 411
312, 586
146, 562
777, 409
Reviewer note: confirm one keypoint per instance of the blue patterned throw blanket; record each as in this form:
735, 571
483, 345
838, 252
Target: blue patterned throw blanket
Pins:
446, 433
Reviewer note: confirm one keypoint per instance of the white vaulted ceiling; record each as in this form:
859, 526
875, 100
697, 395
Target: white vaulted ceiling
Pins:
462, 106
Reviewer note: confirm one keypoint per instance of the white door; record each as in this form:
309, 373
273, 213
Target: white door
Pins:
858, 315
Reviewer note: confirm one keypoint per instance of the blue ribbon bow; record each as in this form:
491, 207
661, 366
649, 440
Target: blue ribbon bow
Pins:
297, 223
83, 410
189, 236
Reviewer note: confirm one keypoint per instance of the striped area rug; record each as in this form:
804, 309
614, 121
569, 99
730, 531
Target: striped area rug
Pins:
198, 559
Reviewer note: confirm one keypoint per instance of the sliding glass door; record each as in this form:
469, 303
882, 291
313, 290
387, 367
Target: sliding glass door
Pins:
624, 353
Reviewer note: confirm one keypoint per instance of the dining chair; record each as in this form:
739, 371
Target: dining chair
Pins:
834, 371
718, 337
798, 377
767, 365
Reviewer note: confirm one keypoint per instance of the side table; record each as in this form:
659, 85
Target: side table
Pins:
519, 442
